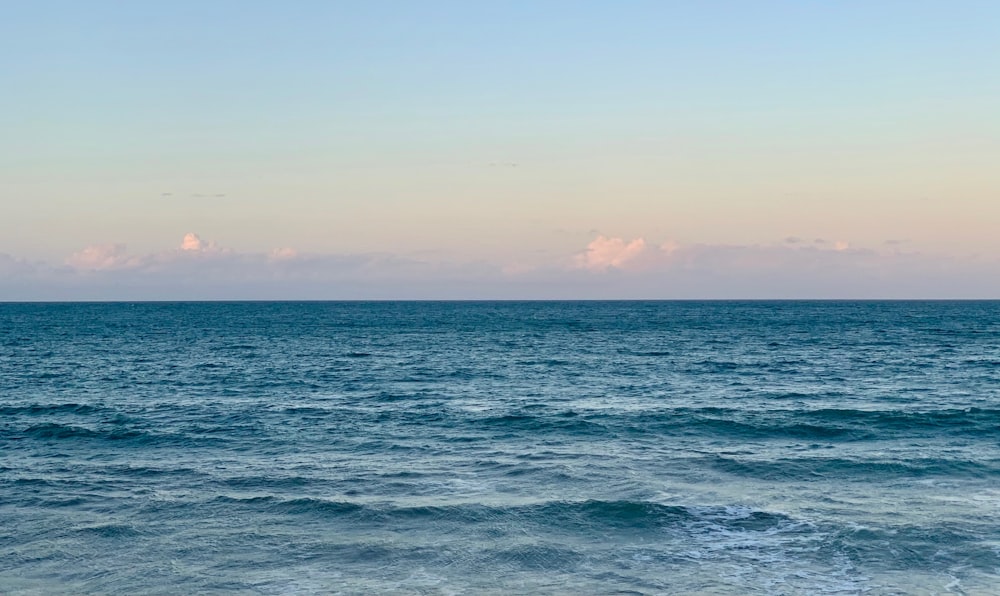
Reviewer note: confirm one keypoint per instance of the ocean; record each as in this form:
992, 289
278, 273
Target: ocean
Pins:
718, 448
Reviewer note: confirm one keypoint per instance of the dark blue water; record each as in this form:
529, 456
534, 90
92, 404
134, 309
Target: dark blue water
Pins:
507, 448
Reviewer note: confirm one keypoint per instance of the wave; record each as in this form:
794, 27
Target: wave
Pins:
293, 506
615, 514
751, 429
809, 469
732, 423
821, 424
918, 547
79, 421
987, 419
50, 409
567, 421
110, 530
52, 430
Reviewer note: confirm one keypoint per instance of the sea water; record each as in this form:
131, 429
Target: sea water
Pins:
500, 448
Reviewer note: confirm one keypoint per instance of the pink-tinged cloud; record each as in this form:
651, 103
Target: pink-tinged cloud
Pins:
192, 241
604, 253
100, 257
607, 268
114, 256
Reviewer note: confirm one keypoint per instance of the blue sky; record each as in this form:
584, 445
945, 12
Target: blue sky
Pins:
497, 140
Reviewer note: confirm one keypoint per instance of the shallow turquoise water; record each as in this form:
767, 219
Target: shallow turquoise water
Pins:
500, 447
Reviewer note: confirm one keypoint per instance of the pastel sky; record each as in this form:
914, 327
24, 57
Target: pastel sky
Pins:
545, 149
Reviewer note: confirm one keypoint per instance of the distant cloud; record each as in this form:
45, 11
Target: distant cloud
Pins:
11, 267
606, 267
281, 254
201, 269
192, 241
603, 253
669, 247
100, 257
115, 256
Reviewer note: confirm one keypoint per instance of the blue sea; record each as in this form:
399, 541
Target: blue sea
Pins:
723, 448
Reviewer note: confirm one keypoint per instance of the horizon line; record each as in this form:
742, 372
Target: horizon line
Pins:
481, 300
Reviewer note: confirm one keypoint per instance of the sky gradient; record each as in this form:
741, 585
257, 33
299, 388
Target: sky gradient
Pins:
512, 150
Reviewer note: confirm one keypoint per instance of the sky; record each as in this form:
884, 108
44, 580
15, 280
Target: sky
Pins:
548, 149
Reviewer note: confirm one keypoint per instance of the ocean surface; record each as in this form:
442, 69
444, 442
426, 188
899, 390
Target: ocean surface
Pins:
716, 448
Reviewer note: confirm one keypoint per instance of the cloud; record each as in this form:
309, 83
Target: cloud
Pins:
11, 267
100, 257
198, 269
114, 256
669, 247
606, 267
282, 254
603, 253
192, 241
769, 271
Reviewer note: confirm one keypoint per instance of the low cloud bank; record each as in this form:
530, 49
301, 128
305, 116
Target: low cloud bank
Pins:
606, 268
784, 269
